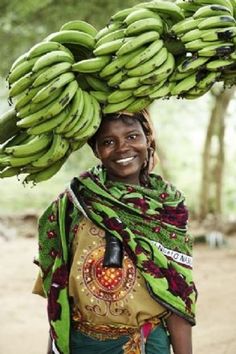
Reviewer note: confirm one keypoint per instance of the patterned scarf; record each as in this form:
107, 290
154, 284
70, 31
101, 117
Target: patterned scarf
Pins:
151, 222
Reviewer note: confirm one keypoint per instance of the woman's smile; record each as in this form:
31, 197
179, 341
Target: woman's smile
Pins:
125, 161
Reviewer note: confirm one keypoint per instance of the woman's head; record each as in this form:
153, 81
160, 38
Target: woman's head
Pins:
124, 143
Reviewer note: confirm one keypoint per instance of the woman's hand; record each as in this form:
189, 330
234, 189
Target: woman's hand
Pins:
180, 334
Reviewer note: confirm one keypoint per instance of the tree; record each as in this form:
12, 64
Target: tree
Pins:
213, 156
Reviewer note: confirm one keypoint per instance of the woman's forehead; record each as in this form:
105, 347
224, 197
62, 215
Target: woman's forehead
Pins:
124, 123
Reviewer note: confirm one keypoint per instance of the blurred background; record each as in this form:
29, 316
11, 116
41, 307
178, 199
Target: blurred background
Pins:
196, 144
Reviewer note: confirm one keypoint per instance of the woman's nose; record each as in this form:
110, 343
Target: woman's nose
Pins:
122, 145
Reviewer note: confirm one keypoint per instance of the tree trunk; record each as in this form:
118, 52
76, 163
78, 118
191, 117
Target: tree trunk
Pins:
213, 157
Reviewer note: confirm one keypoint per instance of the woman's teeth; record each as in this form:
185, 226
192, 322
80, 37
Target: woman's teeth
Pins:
127, 159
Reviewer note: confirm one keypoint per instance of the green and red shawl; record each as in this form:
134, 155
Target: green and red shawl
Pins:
150, 221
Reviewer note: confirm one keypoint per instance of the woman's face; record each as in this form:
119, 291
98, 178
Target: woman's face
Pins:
122, 149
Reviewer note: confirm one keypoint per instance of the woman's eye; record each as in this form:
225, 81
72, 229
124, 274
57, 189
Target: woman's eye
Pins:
108, 142
132, 136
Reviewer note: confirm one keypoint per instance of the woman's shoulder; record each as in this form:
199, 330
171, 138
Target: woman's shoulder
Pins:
166, 189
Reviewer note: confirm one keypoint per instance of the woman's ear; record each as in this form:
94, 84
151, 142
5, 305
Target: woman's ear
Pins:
150, 159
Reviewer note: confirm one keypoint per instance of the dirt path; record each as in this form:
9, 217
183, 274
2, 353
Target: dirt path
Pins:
23, 315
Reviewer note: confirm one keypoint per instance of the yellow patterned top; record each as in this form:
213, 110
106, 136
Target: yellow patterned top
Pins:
106, 302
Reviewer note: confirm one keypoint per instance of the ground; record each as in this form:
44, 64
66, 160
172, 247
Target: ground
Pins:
24, 327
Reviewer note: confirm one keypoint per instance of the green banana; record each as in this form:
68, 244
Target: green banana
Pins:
130, 83
116, 79
208, 80
122, 14
192, 63
52, 109
144, 25
145, 54
74, 114
216, 22
37, 144
119, 96
226, 3
184, 85
199, 44
72, 37
53, 86
56, 56
51, 73
81, 121
100, 96
177, 76
42, 48
91, 65
81, 26
164, 9
137, 42
45, 173
119, 62
56, 151
233, 3
50, 124
111, 27
211, 10
138, 104
32, 107
161, 73
215, 34
111, 47
195, 92
21, 84
93, 124
10, 172
23, 57
21, 69
25, 97
162, 91
140, 14
20, 137
150, 65
185, 26
120, 33
21, 161
96, 83
220, 50
119, 106
219, 64
191, 35
8, 127
189, 8
147, 90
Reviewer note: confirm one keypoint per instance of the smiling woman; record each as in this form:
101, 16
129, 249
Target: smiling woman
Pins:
114, 252
123, 145
126, 140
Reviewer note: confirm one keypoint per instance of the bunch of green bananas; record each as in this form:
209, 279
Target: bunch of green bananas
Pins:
153, 50
208, 33
130, 59
52, 114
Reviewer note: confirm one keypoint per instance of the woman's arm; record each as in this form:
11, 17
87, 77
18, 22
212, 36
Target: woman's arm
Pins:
180, 334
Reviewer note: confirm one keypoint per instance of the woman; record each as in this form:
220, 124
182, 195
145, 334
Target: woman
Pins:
114, 253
